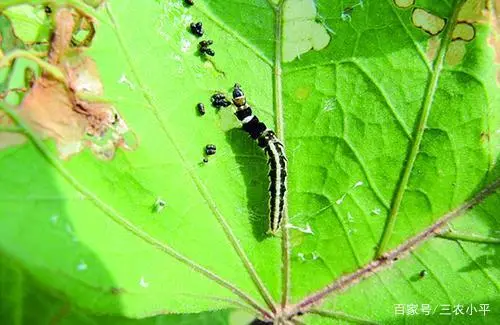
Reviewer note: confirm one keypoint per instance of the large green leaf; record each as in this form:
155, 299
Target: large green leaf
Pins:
25, 301
387, 129
458, 273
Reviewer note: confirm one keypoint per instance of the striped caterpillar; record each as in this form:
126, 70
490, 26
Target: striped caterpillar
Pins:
275, 152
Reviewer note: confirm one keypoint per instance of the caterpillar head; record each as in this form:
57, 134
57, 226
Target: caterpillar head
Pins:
239, 98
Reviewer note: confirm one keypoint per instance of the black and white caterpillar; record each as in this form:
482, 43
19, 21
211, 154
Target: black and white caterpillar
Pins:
275, 152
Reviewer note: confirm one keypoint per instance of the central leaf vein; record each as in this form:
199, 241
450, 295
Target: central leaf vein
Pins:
419, 132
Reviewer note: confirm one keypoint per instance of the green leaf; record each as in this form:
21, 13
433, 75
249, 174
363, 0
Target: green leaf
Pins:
25, 301
30, 24
452, 268
390, 132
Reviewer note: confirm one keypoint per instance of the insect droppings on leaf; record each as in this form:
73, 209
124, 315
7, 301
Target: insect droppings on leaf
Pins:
210, 149
197, 29
201, 108
204, 47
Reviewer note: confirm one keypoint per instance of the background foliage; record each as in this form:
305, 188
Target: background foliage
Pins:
389, 111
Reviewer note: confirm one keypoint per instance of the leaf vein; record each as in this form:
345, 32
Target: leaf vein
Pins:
384, 95
420, 52
119, 219
199, 184
483, 270
419, 132
388, 258
237, 36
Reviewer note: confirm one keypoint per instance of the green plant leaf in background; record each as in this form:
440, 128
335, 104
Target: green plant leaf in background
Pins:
389, 112
34, 304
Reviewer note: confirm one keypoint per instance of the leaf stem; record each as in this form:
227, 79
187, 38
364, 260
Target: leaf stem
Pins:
122, 221
462, 236
277, 79
428, 101
388, 258
12, 90
280, 130
236, 303
12, 129
86, 96
35, 57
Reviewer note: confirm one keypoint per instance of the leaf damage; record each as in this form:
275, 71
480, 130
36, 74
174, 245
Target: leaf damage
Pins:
481, 12
404, 4
71, 112
473, 12
74, 66
301, 31
427, 21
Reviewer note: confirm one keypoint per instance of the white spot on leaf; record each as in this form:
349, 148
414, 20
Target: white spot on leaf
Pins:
306, 230
185, 45
54, 218
352, 231
143, 283
124, 80
186, 19
82, 266
346, 14
358, 184
329, 104
341, 200
70, 232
